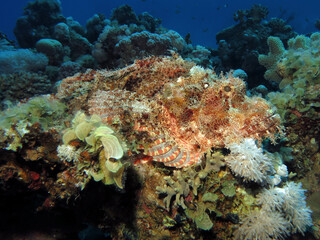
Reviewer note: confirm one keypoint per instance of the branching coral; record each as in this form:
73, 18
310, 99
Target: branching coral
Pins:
276, 51
178, 189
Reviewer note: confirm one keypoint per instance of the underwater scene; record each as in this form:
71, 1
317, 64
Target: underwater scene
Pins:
138, 120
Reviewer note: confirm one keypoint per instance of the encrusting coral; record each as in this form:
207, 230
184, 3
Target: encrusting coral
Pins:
183, 109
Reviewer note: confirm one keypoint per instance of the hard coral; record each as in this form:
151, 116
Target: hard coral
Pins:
184, 109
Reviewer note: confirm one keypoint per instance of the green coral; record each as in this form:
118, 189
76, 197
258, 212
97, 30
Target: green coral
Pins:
210, 197
46, 110
200, 217
228, 188
190, 183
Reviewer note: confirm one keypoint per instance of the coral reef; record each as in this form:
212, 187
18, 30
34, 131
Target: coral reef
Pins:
119, 45
295, 70
240, 45
164, 109
22, 85
21, 60
38, 21
95, 26
157, 144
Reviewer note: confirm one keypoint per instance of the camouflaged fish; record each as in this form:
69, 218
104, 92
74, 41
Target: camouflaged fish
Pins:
173, 109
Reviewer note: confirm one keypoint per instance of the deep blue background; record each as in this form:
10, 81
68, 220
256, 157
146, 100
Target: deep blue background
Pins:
202, 18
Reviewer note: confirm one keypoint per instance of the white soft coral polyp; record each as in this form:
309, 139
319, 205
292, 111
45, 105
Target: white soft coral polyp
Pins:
248, 161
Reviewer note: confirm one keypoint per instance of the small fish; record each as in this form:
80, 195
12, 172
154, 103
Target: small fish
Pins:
223, 6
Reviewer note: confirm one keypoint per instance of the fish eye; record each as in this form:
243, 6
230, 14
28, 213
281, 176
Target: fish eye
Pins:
227, 88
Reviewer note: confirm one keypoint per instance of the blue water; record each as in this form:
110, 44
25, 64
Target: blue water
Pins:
201, 18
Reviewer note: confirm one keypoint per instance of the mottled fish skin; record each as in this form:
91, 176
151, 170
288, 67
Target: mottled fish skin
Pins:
176, 110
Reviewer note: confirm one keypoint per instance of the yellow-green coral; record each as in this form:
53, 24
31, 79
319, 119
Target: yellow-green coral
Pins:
14, 121
200, 216
44, 109
111, 172
299, 70
185, 184
92, 131
276, 51
100, 139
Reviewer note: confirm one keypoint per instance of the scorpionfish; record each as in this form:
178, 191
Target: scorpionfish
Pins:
171, 110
